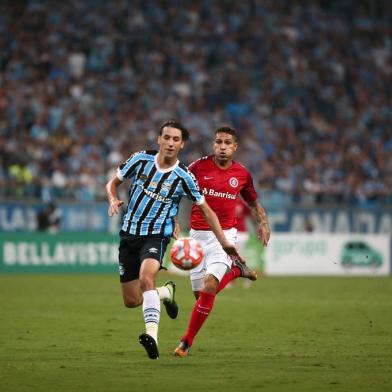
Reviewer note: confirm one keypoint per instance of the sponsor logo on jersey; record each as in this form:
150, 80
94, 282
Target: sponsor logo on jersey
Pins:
224, 195
143, 177
153, 250
153, 184
156, 196
208, 178
233, 182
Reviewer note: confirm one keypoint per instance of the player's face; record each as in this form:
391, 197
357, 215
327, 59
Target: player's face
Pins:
170, 143
224, 147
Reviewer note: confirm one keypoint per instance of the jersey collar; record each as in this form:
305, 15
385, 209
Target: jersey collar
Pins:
218, 167
169, 169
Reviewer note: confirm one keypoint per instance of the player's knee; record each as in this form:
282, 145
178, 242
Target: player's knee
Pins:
146, 283
131, 302
210, 284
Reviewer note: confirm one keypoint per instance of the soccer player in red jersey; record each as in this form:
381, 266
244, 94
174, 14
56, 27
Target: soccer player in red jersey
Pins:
221, 180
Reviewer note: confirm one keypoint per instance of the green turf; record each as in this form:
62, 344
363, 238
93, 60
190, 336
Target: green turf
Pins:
71, 333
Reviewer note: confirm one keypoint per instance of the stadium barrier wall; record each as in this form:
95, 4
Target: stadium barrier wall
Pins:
94, 217
328, 254
286, 254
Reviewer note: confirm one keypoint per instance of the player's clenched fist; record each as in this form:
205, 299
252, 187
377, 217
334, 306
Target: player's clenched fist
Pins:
114, 207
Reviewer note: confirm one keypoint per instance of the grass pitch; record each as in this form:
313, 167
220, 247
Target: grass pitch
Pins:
71, 333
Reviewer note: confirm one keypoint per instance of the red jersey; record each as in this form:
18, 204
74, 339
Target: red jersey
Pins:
242, 211
221, 187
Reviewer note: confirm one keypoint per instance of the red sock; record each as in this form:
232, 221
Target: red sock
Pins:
200, 312
234, 273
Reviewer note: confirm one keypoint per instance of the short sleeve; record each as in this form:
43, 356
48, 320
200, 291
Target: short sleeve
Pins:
248, 192
191, 189
126, 169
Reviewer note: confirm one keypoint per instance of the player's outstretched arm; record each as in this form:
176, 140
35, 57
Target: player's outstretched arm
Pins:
212, 221
261, 219
111, 190
177, 230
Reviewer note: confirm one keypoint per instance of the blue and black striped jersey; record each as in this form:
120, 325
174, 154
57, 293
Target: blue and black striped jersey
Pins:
155, 193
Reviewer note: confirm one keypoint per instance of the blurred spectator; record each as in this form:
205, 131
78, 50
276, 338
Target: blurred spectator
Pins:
307, 84
49, 218
308, 226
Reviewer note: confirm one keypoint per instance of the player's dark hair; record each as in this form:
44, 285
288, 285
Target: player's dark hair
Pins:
175, 124
229, 130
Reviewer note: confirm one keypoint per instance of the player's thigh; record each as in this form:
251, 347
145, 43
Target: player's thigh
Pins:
154, 247
129, 260
214, 253
216, 270
197, 274
151, 253
215, 261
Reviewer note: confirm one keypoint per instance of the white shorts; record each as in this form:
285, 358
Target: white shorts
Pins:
216, 261
242, 239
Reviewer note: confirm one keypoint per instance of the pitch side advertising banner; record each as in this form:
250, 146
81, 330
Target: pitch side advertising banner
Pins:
328, 254
63, 252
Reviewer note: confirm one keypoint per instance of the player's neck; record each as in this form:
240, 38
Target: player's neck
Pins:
166, 162
223, 164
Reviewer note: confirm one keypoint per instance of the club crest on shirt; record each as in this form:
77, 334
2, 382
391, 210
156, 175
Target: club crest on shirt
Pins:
121, 269
166, 185
233, 182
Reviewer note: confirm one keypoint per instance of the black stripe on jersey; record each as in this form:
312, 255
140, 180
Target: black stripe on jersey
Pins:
150, 203
187, 190
162, 206
185, 168
150, 176
133, 186
140, 171
131, 168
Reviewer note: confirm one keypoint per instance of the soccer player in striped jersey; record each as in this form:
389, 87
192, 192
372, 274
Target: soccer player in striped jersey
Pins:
222, 180
157, 183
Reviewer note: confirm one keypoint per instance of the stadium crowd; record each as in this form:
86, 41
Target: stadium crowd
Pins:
83, 84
